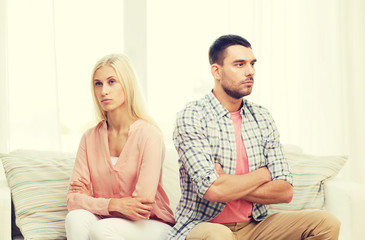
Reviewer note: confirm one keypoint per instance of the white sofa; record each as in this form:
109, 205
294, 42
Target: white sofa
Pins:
343, 198
5, 206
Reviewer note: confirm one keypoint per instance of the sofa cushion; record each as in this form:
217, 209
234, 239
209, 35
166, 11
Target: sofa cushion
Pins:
38, 182
309, 175
170, 178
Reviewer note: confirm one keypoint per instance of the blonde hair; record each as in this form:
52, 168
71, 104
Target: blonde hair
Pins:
126, 75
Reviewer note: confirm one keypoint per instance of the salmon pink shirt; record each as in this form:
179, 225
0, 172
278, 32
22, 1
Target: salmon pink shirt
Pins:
137, 172
238, 210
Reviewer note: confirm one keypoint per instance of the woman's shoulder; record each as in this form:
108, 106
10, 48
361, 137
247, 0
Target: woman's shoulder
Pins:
144, 128
95, 129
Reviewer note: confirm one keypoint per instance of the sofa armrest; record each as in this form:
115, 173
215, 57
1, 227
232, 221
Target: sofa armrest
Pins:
345, 199
5, 206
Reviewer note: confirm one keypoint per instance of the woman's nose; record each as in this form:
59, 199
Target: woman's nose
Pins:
105, 90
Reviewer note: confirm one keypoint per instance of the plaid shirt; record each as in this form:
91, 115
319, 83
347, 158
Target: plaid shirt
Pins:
204, 135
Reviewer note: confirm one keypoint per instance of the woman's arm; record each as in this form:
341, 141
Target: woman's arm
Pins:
130, 208
77, 200
149, 176
81, 186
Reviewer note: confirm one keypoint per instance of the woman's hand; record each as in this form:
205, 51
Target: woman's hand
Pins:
131, 208
81, 186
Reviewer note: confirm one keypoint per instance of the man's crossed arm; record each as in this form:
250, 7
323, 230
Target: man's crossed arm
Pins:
256, 186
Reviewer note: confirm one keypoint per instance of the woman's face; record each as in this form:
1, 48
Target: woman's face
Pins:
108, 89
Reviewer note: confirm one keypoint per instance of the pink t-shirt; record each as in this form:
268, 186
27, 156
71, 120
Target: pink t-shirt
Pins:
137, 172
238, 210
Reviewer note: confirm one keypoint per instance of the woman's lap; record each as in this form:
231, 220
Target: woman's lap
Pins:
112, 228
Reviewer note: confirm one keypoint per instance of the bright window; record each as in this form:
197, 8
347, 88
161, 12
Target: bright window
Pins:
52, 48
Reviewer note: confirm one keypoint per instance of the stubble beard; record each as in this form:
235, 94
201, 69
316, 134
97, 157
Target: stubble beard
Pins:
235, 93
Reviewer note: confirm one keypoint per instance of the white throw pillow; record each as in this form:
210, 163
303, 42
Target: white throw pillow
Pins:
309, 174
38, 183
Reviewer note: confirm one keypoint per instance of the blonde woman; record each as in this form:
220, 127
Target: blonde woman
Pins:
115, 189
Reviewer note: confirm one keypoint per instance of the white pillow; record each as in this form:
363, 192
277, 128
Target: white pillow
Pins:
309, 174
38, 183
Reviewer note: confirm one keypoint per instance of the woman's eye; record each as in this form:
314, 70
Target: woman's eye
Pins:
111, 81
98, 84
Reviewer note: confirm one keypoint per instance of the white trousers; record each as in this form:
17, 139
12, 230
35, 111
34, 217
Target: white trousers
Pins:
83, 225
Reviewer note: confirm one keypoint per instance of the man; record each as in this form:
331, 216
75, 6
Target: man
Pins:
231, 161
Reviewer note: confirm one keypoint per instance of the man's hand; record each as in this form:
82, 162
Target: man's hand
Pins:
131, 208
218, 169
81, 186
264, 171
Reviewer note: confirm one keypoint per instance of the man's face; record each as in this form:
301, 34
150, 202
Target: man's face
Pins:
237, 71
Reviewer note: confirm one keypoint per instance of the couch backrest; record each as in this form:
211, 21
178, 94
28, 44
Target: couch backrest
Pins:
170, 177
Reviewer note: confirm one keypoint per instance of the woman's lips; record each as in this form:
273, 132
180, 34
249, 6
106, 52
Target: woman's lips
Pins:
105, 100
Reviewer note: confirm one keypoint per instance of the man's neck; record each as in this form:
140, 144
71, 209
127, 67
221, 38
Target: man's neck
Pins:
230, 103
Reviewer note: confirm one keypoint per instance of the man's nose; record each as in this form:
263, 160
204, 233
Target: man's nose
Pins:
250, 71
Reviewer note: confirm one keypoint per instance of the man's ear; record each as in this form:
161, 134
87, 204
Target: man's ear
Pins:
216, 71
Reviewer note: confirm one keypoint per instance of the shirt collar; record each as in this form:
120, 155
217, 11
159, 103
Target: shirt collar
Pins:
219, 109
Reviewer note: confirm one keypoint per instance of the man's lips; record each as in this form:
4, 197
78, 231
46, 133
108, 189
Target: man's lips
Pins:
248, 82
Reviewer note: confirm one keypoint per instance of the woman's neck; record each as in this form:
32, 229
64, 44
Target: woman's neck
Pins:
119, 121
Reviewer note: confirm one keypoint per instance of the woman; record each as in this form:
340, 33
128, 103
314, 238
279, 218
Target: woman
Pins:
115, 189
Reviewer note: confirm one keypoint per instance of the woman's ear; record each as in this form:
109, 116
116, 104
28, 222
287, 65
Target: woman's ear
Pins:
216, 71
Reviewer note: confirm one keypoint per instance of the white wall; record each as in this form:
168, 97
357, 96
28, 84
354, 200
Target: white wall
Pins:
4, 145
135, 38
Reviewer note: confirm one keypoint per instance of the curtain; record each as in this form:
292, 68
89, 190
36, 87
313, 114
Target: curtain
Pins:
48, 50
32, 81
353, 61
309, 72
302, 76
313, 75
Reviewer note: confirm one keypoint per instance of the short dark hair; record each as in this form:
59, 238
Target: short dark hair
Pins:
218, 47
